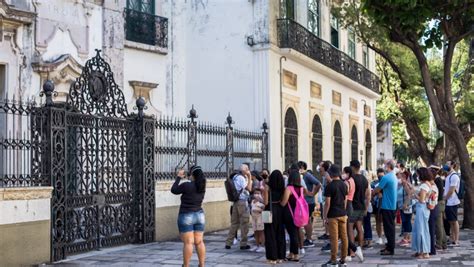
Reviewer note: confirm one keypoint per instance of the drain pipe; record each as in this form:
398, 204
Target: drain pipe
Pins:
281, 110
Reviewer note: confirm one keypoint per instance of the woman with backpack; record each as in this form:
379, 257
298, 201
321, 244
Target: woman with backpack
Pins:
295, 211
421, 240
275, 245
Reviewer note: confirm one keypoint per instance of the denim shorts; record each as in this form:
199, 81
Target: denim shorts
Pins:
191, 222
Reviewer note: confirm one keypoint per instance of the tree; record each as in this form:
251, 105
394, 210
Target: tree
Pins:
418, 26
409, 111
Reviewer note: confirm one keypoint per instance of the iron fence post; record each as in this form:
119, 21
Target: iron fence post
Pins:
192, 138
54, 169
229, 145
264, 145
144, 180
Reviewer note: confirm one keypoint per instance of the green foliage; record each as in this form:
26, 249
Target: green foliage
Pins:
382, 25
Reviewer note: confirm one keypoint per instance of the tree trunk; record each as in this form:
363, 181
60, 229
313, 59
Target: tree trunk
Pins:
468, 176
418, 142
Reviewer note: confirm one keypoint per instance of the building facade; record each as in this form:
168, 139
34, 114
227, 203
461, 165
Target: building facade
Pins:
287, 62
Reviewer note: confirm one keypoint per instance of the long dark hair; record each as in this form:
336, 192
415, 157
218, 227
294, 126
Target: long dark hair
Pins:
276, 181
294, 179
199, 179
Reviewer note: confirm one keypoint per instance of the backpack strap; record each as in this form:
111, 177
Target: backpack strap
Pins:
449, 183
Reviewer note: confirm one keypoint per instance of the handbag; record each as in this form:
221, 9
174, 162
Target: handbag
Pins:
267, 215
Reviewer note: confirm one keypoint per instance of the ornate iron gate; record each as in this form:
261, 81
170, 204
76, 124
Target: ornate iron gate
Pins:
101, 165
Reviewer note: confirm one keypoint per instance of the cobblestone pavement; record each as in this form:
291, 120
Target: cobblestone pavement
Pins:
169, 254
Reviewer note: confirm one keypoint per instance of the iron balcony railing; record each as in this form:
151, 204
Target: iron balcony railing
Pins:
146, 28
295, 36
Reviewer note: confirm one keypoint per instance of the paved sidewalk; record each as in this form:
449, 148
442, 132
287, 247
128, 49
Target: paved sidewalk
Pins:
169, 254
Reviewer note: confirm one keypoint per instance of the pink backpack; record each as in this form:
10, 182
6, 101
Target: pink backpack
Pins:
301, 213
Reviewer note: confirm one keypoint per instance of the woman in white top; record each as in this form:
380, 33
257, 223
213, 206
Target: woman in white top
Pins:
421, 240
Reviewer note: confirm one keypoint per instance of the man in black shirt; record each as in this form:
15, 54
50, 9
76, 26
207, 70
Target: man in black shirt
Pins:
360, 204
335, 214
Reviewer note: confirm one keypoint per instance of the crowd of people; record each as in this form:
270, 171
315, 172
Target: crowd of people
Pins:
281, 208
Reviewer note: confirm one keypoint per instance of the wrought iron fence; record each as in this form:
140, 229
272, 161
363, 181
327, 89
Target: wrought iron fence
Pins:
180, 143
20, 144
295, 36
146, 28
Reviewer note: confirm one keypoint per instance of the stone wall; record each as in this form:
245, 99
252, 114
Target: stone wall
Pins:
25, 226
216, 208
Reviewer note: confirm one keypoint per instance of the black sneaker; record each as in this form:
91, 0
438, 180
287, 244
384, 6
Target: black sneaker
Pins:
247, 247
326, 247
342, 263
227, 247
323, 237
308, 243
331, 263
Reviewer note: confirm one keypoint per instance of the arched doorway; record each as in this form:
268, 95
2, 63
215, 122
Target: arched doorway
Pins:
317, 142
368, 151
354, 143
337, 144
291, 138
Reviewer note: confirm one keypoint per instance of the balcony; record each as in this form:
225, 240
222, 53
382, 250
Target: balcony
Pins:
295, 36
146, 28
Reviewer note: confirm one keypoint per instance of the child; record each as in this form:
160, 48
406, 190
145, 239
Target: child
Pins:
406, 208
257, 223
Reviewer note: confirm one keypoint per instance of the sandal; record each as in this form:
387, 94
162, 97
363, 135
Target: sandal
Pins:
416, 255
272, 262
294, 260
423, 257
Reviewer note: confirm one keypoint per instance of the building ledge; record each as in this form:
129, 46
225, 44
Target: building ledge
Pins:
25, 193
146, 47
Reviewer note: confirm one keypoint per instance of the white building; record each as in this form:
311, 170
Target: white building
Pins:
220, 55
323, 104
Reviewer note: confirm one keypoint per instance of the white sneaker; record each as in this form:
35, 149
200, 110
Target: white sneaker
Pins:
235, 241
359, 254
260, 250
253, 249
302, 251
380, 241
348, 259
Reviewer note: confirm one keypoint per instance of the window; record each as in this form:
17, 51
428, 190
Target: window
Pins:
287, 9
337, 143
3, 81
291, 138
368, 151
145, 6
317, 142
351, 42
365, 56
143, 26
334, 31
354, 143
313, 16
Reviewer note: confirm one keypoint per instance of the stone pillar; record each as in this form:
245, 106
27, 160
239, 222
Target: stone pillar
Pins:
114, 37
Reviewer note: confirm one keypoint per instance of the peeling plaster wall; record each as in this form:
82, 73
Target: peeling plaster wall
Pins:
222, 72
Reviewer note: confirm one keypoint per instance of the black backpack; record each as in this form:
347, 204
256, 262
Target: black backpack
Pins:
232, 193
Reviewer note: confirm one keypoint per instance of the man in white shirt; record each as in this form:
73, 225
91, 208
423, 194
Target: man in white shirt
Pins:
451, 189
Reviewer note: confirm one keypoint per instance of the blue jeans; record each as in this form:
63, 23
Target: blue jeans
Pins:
406, 222
367, 227
191, 222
